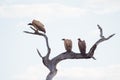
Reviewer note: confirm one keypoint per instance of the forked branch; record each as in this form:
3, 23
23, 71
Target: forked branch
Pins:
102, 38
36, 32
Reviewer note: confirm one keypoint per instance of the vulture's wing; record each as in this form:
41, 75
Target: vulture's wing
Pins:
82, 46
68, 44
38, 25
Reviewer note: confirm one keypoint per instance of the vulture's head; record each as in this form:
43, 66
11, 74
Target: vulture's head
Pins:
79, 39
30, 24
63, 39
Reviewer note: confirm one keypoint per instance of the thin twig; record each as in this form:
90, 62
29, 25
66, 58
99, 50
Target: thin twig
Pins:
28, 32
33, 29
110, 36
101, 31
39, 53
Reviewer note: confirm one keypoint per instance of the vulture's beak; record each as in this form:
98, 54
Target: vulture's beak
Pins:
29, 23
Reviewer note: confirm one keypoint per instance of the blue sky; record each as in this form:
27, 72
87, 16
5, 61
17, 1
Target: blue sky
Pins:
62, 19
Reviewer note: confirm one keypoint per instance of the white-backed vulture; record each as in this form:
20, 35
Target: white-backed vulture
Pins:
38, 25
68, 44
82, 46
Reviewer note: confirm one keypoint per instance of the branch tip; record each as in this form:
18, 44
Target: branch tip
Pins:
99, 28
32, 28
98, 25
101, 31
28, 32
94, 58
112, 35
25, 31
39, 53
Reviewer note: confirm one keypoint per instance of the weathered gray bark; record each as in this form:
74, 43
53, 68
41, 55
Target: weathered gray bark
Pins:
52, 63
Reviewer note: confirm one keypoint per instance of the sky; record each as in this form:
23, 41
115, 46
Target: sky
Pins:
70, 19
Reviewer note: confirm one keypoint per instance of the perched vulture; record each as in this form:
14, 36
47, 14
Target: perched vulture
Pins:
38, 25
68, 44
82, 46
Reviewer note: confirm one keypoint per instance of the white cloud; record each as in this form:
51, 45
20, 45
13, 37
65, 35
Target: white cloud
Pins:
36, 72
73, 73
45, 10
56, 9
99, 73
104, 6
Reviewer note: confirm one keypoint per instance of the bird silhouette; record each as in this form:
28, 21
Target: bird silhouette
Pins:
67, 44
38, 25
82, 46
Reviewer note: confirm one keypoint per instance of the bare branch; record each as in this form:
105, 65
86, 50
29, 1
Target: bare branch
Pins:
110, 36
102, 38
101, 31
36, 32
33, 29
39, 53
28, 32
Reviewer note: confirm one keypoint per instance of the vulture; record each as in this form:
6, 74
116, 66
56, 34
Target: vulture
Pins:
82, 46
67, 44
38, 25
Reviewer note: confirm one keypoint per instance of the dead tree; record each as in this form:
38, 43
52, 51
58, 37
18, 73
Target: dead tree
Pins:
52, 63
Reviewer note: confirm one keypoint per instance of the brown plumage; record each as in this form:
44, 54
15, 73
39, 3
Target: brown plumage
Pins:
38, 25
68, 44
82, 46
